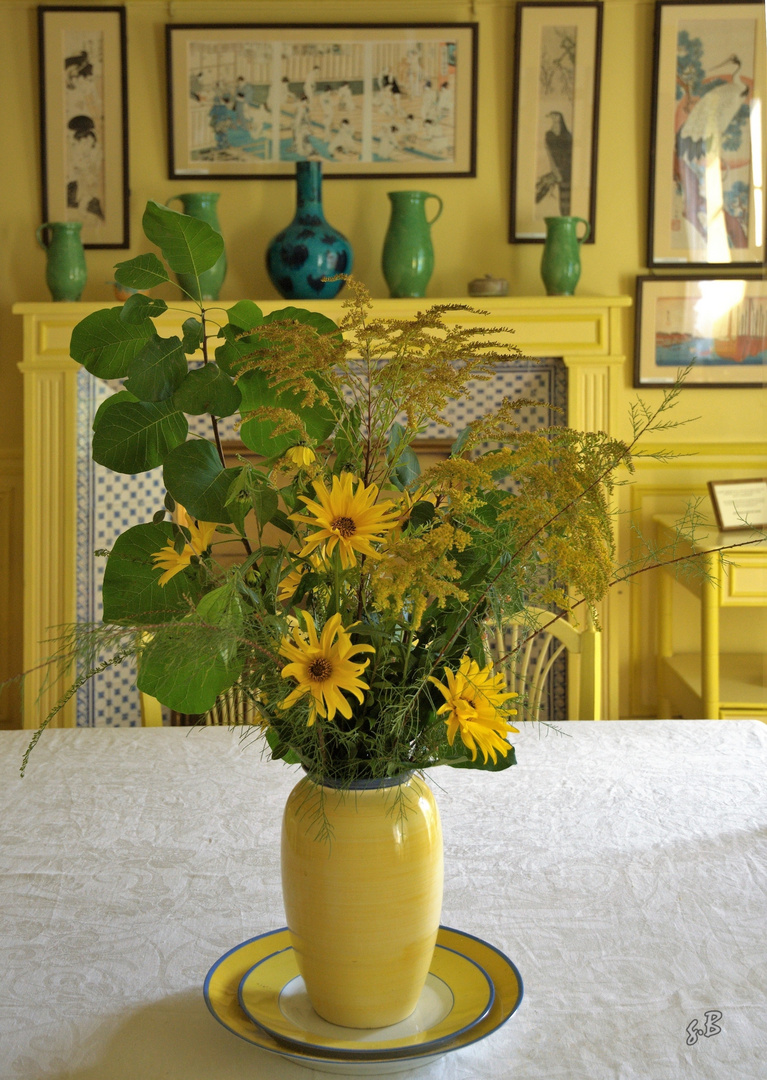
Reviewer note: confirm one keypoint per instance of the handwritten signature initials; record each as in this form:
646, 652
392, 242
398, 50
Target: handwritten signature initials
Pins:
710, 1027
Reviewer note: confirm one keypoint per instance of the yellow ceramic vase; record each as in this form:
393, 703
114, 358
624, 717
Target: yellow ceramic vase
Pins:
363, 907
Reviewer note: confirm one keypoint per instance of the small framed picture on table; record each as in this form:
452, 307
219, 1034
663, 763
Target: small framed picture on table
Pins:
739, 504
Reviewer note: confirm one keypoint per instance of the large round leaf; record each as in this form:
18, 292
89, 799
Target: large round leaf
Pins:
143, 272
208, 390
259, 435
196, 675
195, 477
134, 437
158, 370
131, 590
189, 245
106, 345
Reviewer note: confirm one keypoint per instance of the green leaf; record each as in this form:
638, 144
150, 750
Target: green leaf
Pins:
281, 750
265, 504
321, 323
115, 399
192, 335
408, 469
105, 345
131, 592
139, 307
198, 675
421, 514
229, 355
208, 390
457, 448
195, 477
258, 435
158, 370
244, 315
188, 245
133, 437
143, 272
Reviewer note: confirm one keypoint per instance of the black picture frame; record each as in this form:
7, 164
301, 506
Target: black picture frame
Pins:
557, 74
83, 76
706, 203
238, 84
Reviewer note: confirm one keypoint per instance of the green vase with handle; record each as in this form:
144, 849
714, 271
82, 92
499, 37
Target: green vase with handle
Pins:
561, 261
408, 254
65, 270
202, 205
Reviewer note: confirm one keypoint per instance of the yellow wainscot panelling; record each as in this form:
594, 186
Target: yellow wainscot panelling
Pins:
746, 584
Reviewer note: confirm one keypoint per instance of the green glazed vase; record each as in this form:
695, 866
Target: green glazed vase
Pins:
408, 254
202, 205
65, 271
561, 261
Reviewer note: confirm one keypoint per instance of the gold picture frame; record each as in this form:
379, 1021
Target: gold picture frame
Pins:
84, 121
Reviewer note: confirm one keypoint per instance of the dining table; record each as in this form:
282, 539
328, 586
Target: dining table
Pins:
620, 866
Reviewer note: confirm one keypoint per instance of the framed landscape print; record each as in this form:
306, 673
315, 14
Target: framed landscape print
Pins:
557, 59
708, 151
715, 326
248, 102
84, 121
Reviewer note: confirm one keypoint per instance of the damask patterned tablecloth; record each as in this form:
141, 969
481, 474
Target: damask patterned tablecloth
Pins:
622, 866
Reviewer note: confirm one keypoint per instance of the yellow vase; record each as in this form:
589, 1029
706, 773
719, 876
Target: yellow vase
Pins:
363, 907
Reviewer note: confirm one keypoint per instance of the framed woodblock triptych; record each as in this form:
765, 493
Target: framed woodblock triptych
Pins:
374, 100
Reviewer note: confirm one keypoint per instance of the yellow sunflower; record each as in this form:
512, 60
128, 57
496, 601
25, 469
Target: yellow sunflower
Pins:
287, 587
347, 518
172, 561
476, 705
323, 668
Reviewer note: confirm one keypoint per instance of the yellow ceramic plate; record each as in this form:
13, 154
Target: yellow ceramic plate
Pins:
223, 980
457, 994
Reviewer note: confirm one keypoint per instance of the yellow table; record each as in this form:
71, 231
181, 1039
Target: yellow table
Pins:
712, 683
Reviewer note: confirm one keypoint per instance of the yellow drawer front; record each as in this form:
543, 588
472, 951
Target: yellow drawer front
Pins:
745, 583
743, 714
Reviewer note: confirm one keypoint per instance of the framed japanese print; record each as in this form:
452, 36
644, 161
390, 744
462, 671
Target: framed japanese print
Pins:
557, 58
373, 100
84, 121
708, 151
715, 326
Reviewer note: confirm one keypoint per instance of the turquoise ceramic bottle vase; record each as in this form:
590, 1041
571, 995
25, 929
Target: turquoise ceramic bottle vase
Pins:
309, 249
408, 254
202, 205
561, 261
65, 270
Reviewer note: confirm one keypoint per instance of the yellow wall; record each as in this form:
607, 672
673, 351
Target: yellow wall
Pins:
469, 239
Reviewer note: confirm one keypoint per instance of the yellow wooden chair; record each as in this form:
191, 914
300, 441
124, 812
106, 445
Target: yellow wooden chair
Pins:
233, 707
529, 645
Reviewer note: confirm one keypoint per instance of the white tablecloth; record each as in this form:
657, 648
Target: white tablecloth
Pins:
621, 866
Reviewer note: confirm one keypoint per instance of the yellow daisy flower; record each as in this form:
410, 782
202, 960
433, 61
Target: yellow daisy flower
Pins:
475, 703
323, 668
300, 456
347, 518
172, 561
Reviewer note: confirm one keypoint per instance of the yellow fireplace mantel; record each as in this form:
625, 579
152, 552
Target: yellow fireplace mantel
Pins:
585, 331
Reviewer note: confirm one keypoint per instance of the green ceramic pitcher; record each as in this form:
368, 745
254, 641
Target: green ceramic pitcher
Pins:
561, 261
202, 205
65, 271
408, 254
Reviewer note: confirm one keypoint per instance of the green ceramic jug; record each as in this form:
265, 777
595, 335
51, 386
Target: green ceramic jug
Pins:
65, 271
561, 262
202, 205
408, 255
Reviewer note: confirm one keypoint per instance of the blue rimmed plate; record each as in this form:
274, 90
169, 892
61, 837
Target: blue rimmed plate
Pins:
457, 995
223, 980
